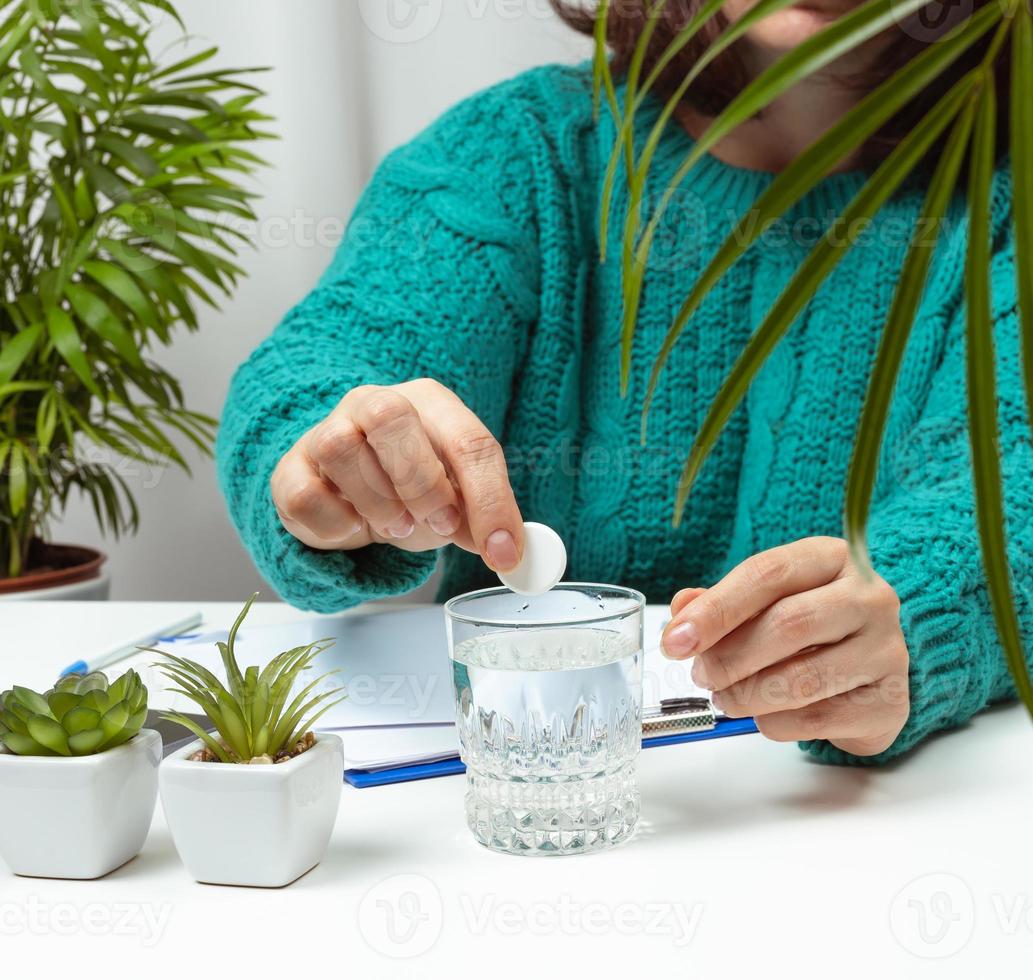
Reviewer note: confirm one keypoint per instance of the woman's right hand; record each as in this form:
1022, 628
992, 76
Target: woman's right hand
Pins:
408, 465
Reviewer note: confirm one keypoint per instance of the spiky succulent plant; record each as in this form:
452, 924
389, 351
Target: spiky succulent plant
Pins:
253, 720
80, 715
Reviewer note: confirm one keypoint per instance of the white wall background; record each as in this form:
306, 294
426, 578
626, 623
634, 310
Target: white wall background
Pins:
349, 80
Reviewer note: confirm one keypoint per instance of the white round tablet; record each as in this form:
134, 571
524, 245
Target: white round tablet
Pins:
543, 564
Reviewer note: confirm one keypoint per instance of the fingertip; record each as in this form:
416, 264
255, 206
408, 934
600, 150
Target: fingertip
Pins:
683, 597
500, 551
402, 528
446, 521
679, 641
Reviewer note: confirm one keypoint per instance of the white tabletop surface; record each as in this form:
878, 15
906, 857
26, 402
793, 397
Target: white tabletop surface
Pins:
751, 861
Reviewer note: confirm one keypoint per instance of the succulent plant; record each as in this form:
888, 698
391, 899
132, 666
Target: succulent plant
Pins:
80, 715
254, 723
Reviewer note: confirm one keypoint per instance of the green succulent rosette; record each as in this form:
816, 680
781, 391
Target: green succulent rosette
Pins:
80, 715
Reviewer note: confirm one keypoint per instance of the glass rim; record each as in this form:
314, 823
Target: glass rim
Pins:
637, 603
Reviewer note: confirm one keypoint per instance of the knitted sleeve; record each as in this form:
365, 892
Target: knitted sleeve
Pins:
436, 277
924, 541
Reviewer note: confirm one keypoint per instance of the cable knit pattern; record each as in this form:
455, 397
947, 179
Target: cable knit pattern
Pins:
472, 259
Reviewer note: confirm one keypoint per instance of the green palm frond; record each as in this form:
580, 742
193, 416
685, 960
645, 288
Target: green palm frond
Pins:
248, 711
982, 392
602, 78
123, 175
906, 299
1022, 180
632, 82
793, 183
634, 94
967, 113
812, 273
633, 259
839, 38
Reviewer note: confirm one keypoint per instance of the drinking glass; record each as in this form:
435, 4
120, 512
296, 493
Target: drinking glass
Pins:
548, 694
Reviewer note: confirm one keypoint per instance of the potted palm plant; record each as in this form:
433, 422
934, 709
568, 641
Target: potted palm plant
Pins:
119, 175
253, 802
989, 47
78, 776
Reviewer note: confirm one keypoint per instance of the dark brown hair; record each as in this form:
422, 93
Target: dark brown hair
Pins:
726, 76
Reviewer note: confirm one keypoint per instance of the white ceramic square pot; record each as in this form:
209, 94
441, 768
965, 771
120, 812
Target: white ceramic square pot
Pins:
78, 817
253, 825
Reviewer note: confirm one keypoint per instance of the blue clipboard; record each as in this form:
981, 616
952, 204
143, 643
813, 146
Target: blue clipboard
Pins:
365, 778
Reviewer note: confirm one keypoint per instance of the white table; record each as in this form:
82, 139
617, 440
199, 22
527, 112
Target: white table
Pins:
750, 862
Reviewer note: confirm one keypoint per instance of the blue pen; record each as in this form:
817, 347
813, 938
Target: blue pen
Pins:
171, 632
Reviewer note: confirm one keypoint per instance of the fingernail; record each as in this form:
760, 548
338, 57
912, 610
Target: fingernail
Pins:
680, 641
502, 551
445, 521
403, 527
699, 675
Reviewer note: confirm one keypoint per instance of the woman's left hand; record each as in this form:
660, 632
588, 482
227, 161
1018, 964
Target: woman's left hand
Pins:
799, 638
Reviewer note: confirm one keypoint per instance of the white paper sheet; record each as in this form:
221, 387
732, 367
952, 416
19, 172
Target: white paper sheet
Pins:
396, 669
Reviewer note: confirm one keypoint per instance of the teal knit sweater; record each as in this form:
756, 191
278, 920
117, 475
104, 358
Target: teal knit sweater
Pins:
472, 258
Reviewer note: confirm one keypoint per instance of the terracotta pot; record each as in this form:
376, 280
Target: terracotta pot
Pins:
55, 565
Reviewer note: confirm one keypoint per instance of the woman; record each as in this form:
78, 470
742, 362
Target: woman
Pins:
456, 372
